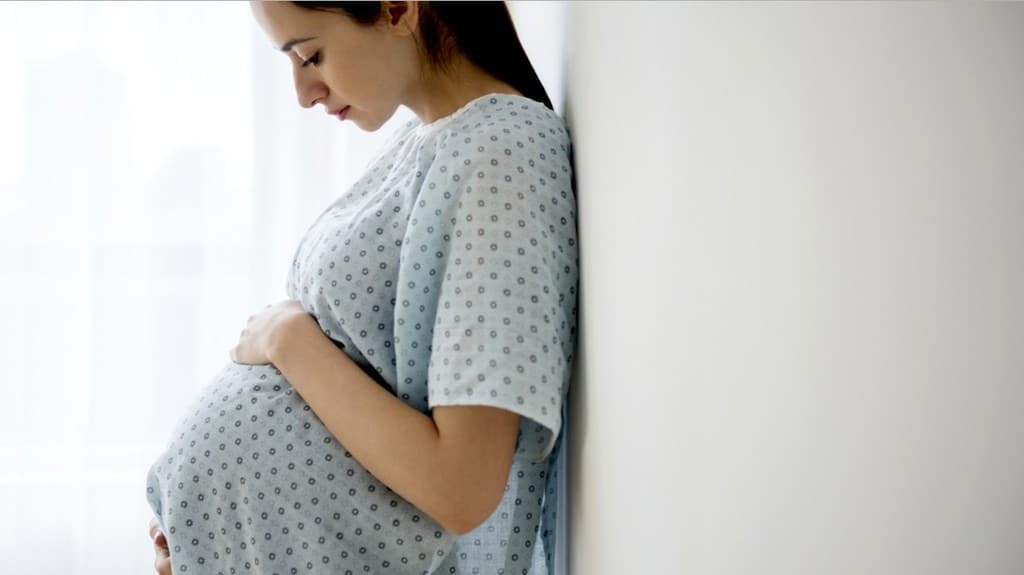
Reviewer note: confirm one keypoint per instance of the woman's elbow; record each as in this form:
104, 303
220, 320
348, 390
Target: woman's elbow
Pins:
468, 513
463, 525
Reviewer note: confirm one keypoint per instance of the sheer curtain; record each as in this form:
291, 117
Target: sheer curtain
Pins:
156, 174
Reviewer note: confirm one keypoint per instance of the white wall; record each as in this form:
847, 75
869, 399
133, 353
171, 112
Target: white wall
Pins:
802, 259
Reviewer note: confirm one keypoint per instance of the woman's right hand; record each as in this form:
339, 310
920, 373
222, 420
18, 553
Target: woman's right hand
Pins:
162, 563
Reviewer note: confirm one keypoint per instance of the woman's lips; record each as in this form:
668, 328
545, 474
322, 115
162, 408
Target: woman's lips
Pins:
343, 113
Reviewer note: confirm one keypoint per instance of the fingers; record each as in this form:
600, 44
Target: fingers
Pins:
163, 561
162, 565
154, 527
157, 535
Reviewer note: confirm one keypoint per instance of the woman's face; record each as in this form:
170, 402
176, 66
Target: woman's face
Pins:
337, 62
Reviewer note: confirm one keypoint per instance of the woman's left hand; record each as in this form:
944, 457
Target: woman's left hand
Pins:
162, 563
256, 340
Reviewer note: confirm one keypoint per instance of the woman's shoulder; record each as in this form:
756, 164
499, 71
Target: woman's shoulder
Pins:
509, 144
506, 124
497, 114
507, 114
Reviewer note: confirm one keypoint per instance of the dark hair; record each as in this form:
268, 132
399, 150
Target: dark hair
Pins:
482, 31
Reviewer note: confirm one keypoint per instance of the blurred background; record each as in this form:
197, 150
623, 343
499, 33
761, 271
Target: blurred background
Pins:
156, 175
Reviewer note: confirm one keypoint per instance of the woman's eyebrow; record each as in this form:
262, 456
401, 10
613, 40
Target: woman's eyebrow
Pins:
288, 45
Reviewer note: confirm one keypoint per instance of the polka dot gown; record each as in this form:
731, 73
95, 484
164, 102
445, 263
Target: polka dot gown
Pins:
448, 273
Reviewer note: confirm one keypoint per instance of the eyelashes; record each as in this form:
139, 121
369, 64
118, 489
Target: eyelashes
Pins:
314, 59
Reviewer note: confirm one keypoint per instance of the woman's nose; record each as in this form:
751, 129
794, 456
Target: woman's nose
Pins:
308, 89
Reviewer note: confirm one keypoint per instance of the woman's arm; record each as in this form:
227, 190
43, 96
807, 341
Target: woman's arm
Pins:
453, 466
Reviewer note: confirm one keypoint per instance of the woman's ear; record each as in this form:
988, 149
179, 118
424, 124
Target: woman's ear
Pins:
401, 16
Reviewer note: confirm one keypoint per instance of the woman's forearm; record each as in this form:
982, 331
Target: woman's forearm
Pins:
399, 445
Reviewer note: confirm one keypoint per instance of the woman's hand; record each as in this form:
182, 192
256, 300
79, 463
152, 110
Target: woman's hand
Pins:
258, 337
162, 563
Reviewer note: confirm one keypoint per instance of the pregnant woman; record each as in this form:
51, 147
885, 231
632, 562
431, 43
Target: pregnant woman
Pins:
399, 412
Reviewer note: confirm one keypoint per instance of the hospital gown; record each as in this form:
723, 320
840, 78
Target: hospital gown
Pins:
448, 273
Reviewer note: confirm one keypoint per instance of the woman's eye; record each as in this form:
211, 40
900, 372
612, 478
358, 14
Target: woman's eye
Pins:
314, 59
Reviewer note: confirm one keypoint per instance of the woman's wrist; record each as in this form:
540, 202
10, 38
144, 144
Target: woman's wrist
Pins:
286, 330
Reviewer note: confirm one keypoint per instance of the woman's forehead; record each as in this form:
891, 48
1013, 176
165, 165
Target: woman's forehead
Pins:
284, 21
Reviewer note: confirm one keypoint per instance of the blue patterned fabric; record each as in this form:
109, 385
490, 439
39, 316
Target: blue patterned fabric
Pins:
448, 273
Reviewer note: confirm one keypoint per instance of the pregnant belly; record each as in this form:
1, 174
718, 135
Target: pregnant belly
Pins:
253, 477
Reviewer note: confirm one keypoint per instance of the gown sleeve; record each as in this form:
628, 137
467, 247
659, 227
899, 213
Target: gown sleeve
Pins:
504, 330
